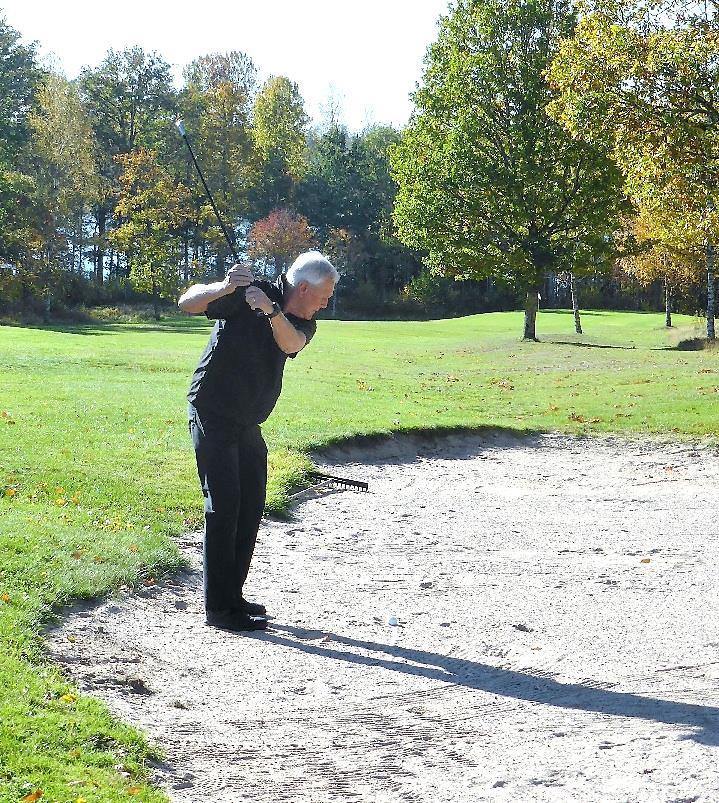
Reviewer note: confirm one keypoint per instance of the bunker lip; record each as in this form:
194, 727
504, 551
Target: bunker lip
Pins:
550, 597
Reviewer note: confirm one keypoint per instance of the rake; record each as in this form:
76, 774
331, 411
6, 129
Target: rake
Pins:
343, 482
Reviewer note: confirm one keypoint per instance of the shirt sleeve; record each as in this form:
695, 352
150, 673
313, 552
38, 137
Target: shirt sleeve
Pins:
308, 329
227, 306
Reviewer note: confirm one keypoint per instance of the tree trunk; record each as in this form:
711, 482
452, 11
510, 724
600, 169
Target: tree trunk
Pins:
530, 314
668, 302
155, 301
710, 292
100, 257
575, 303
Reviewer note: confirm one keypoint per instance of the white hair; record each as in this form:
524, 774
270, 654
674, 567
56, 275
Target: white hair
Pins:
311, 267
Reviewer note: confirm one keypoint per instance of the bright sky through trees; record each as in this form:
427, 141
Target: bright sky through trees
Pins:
367, 55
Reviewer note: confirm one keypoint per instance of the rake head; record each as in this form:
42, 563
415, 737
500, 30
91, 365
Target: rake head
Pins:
342, 482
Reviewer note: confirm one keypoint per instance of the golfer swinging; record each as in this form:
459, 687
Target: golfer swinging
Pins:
234, 389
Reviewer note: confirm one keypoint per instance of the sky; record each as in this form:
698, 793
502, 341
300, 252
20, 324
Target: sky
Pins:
366, 55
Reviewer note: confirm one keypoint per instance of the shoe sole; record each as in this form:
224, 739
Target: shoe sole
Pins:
258, 624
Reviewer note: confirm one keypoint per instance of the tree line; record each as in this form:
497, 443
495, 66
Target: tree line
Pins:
555, 154
99, 200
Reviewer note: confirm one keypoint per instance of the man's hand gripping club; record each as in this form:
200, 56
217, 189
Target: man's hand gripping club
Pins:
196, 298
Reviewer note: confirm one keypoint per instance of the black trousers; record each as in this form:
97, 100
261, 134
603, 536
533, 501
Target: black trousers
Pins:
232, 466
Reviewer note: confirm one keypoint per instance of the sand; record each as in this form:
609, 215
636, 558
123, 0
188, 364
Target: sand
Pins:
557, 636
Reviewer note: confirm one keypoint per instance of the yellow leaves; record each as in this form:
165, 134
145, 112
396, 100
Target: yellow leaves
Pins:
33, 796
362, 385
61, 501
68, 698
5, 598
10, 491
645, 560
134, 548
133, 790
77, 554
6, 418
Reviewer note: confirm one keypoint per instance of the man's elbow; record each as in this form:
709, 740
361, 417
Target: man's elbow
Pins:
296, 347
190, 306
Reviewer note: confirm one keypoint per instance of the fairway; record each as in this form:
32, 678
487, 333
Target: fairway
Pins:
97, 468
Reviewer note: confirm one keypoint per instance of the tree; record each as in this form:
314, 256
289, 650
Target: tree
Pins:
19, 77
655, 251
642, 78
279, 124
489, 185
132, 103
20, 217
275, 241
64, 160
154, 208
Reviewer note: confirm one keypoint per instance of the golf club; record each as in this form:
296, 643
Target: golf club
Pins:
183, 133
230, 242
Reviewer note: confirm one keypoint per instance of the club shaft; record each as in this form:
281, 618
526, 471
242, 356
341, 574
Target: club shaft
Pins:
212, 200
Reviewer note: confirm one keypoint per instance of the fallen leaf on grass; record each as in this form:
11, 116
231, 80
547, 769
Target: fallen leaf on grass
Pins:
133, 790
505, 384
77, 554
68, 698
33, 796
5, 598
645, 560
133, 547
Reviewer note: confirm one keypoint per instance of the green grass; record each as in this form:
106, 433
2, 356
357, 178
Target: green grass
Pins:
96, 469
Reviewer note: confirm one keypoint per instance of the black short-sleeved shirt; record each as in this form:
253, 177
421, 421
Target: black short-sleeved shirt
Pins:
239, 376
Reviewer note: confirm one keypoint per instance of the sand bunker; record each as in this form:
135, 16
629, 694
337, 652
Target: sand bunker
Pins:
557, 636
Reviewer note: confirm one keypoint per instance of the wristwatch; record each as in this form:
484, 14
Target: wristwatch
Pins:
276, 310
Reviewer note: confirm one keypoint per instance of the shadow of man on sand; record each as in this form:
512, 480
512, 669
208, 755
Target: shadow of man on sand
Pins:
702, 719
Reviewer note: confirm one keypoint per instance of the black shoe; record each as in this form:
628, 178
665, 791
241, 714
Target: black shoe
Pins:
252, 608
234, 620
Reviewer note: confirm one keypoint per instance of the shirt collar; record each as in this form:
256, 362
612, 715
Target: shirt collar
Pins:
282, 284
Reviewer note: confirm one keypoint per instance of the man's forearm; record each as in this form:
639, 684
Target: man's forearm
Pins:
286, 336
196, 298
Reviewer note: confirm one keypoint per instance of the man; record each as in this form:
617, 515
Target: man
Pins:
233, 390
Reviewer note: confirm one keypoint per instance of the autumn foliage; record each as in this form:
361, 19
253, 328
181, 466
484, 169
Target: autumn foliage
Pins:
275, 240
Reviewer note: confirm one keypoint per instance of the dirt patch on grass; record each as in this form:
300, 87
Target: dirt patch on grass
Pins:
556, 634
